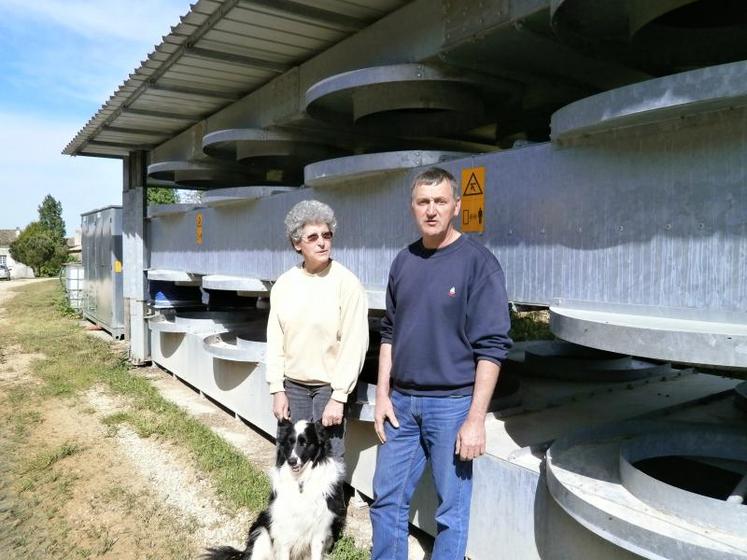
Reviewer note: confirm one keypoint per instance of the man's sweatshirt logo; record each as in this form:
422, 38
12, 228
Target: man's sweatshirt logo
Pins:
452, 292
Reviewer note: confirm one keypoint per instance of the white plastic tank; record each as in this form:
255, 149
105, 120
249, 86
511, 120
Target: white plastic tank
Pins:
75, 283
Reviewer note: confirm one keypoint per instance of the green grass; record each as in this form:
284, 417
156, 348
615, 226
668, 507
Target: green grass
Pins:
74, 362
48, 458
530, 325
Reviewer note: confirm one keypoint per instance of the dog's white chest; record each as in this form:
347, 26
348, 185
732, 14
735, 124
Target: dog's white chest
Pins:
300, 514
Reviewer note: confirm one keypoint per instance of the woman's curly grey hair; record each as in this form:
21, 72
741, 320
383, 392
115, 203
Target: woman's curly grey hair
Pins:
308, 212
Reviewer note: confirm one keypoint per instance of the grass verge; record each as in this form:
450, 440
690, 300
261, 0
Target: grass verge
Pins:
530, 325
74, 362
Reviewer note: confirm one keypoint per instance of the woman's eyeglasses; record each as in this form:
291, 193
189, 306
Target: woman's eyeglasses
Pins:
314, 237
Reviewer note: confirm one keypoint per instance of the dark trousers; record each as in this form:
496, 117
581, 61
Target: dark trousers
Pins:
307, 402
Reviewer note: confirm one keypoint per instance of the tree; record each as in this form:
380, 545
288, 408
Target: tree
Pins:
40, 248
161, 195
50, 217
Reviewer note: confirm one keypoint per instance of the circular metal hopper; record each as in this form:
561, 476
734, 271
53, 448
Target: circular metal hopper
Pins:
249, 143
660, 37
276, 153
237, 195
407, 99
557, 359
681, 340
242, 345
244, 284
654, 101
197, 321
348, 169
207, 174
659, 490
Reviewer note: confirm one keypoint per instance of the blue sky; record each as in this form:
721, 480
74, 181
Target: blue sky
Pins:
60, 60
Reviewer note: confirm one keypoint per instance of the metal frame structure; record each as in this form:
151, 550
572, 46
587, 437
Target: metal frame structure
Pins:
609, 141
101, 248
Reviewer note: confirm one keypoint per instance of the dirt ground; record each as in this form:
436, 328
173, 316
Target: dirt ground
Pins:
73, 487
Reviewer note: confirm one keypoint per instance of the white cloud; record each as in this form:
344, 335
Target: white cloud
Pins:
81, 50
62, 59
32, 167
103, 19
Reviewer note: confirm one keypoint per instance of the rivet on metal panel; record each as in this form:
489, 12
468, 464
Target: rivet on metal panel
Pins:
668, 226
701, 225
620, 228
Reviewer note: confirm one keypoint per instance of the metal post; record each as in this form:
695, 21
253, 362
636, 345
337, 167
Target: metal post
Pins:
135, 256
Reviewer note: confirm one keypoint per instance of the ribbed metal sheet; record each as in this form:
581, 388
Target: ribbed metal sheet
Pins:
655, 221
219, 52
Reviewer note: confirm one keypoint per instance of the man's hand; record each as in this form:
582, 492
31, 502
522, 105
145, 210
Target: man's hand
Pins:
470, 441
384, 411
332, 415
280, 406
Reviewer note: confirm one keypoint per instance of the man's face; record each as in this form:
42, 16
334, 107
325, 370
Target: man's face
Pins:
433, 207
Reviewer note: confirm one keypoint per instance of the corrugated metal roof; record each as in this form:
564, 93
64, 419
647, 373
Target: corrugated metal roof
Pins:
219, 52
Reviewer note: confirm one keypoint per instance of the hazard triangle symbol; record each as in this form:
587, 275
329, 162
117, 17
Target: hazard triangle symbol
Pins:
473, 186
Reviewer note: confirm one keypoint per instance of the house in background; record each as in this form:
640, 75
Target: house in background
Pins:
74, 247
17, 270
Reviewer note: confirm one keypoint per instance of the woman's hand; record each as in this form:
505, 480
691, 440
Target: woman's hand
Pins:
280, 407
332, 415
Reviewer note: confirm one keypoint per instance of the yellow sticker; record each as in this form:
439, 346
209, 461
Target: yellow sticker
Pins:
473, 199
117, 266
198, 228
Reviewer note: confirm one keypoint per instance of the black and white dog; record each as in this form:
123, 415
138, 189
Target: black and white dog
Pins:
306, 512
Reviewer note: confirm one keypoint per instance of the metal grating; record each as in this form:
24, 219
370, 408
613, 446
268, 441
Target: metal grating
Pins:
219, 52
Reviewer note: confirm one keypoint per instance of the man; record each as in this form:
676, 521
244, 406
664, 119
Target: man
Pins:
443, 338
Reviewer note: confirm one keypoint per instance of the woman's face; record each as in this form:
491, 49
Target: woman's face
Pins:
315, 246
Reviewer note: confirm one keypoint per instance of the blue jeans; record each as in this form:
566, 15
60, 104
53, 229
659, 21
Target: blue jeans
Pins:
428, 427
307, 402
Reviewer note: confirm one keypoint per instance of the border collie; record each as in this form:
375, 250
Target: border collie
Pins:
306, 510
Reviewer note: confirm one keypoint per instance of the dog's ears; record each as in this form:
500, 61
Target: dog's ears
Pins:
321, 432
284, 426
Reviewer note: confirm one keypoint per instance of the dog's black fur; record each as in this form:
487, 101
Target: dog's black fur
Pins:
309, 448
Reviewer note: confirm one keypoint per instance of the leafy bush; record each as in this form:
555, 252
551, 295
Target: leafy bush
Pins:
40, 248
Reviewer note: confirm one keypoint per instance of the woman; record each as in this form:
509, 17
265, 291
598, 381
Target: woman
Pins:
317, 332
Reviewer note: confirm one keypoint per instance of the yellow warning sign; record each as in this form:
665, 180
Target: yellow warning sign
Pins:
473, 199
198, 228
117, 266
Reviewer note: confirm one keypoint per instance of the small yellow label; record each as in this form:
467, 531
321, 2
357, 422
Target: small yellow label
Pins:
473, 199
198, 228
117, 266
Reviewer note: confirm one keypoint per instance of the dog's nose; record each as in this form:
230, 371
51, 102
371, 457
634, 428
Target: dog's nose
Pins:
292, 461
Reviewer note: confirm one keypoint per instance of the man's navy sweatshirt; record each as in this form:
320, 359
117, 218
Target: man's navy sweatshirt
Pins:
446, 309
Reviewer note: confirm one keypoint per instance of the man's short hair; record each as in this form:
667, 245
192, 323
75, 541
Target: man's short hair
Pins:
433, 176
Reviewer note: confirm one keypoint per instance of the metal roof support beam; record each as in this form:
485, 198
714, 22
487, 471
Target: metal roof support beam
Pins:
195, 91
207, 54
141, 131
158, 115
206, 26
135, 255
309, 12
125, 145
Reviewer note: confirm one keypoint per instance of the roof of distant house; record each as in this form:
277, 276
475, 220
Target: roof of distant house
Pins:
7, 236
